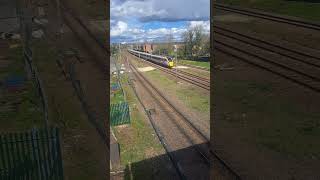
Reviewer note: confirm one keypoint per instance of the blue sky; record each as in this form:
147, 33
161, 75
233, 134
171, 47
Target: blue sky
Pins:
154, 20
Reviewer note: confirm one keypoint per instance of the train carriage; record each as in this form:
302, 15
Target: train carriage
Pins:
161, 60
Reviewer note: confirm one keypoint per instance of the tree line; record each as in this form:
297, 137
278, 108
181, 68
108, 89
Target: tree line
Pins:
195, 43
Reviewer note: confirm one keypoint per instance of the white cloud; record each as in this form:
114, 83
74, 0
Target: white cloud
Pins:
161, 10
133, 8
118, 29
137, 34
128, 16
123, 31
204, 24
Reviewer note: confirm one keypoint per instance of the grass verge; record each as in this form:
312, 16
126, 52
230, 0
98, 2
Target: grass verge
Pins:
138, 142
302, 9
20, 110
270, 121
196, 63
190, 96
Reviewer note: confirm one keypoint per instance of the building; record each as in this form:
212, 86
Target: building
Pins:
152, 48
148, 48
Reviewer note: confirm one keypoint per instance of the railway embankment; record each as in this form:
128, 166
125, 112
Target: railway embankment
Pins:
266, 101
20, 108
141, 154
63, 62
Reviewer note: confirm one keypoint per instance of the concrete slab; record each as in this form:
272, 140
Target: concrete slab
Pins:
181, 67
146, 69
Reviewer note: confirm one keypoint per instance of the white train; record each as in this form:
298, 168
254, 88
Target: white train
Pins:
161, 60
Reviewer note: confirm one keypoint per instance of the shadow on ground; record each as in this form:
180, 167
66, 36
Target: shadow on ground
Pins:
161, 167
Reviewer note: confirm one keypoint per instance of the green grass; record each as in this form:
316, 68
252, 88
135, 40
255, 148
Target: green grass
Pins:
190, 96
196, 63
270, 121
301, 9
137, 141
90, 8
19, 110
116, 97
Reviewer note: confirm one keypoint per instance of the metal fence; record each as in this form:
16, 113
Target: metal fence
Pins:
31, 155
119, 114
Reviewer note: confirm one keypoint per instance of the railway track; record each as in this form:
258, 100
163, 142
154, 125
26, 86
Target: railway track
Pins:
195, 67
99, 51
79, 28
268, 16
293, 65
207, 155
199, 151
193, 75
183, 75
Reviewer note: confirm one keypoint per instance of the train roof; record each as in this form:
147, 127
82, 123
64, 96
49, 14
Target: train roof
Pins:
147, 54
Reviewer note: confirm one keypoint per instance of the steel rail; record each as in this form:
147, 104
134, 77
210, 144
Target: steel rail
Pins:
205, 85
143, 79
269, 44
224, 163
195, 76
263, 15
160, 137
281, 74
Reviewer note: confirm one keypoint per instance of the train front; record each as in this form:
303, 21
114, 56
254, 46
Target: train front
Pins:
170, 62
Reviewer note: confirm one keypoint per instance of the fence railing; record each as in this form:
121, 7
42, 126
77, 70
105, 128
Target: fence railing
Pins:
31, 155
119, 114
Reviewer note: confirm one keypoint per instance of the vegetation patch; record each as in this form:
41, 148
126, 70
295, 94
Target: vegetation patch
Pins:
304, 9
20, 107
138, 142
271, 121
81, 150
91, 8
190, 96
196, 63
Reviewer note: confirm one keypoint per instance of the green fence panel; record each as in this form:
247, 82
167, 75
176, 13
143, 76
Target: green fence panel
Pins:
119, 114
31, 155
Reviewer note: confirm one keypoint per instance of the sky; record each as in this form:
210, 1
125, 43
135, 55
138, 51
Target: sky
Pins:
153, 20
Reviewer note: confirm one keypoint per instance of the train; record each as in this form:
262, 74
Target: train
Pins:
161, 60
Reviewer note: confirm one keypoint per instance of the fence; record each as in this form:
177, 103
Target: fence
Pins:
119, 114
32, 155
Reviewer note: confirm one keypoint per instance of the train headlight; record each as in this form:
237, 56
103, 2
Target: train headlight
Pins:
170, 63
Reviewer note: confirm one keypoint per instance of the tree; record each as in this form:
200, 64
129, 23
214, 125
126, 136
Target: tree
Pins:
114, 48
198, 37
181, 52
169, 44
205, 44
188, 37
197, 43
161, 49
